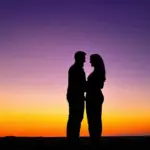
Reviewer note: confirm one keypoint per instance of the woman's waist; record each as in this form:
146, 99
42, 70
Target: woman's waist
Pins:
94, 91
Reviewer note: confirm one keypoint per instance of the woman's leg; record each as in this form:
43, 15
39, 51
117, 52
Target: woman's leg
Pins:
94, 111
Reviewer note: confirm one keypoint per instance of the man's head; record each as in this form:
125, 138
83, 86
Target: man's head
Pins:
80, 57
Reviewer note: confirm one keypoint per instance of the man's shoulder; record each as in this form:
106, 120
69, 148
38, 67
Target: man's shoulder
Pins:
72, 67
75, 68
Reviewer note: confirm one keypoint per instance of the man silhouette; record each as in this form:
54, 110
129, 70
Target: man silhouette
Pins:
75, 97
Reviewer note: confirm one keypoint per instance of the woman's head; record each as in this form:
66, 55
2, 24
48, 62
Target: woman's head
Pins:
97, 62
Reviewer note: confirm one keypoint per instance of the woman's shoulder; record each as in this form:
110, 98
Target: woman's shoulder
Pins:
93, 76
90, 75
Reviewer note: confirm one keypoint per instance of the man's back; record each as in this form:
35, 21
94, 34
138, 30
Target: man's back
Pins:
76, 82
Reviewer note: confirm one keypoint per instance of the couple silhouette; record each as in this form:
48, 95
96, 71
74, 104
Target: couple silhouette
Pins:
80, 91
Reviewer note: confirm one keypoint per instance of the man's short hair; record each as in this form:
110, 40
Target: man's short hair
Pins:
79, 54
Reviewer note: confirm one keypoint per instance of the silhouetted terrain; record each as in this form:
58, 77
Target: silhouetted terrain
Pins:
44, 143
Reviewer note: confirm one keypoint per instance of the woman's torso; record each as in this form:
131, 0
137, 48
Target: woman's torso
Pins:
94, 85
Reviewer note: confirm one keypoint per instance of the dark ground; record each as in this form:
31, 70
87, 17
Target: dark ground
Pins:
44, 143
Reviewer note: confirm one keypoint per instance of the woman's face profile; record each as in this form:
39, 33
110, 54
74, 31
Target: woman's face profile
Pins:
91, 62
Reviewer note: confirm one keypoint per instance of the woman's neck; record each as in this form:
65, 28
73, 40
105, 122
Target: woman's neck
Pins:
96, 69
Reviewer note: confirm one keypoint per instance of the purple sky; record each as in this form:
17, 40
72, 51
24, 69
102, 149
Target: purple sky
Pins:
45, 33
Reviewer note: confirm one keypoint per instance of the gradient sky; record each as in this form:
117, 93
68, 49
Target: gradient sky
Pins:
37, 42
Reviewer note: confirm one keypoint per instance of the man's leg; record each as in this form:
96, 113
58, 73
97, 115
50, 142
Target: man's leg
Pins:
76, 110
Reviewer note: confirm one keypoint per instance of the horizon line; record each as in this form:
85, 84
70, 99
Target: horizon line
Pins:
66, 137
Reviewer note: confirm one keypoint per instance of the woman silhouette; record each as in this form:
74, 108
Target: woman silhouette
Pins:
95, 98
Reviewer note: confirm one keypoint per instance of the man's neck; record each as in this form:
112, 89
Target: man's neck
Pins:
79, 64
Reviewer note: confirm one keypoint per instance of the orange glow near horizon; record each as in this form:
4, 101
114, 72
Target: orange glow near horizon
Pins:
40, 113
54, 124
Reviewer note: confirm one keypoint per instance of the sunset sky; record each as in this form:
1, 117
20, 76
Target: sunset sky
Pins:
38, 39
